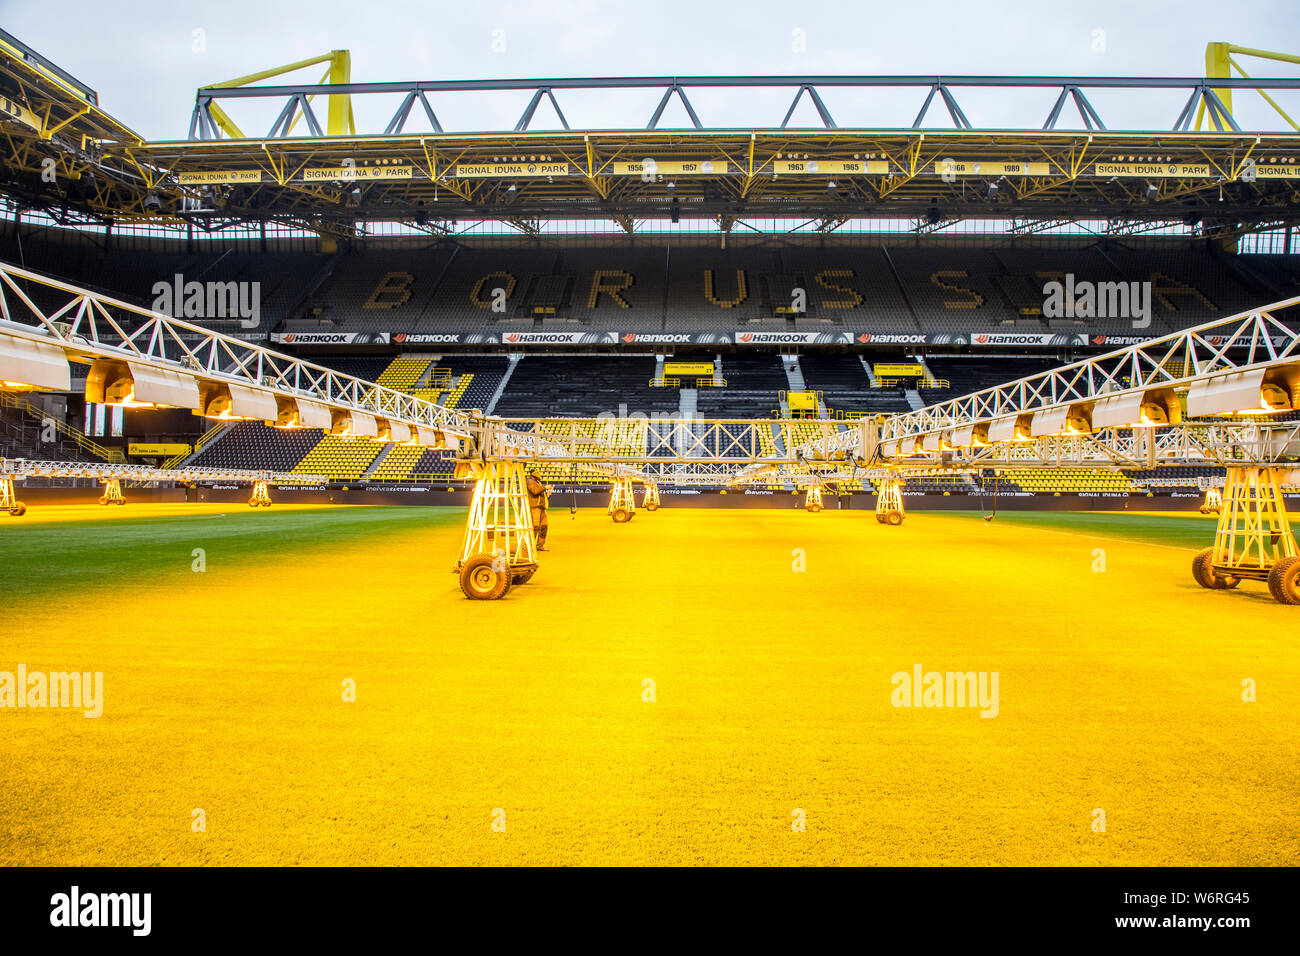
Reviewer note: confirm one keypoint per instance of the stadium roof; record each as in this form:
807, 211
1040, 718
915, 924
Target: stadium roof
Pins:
331, 178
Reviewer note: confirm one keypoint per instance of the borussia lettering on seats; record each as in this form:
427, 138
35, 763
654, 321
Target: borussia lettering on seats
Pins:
742, 290
392, 284
821, 279
1163, 286
974, 300
476, 294
611, 289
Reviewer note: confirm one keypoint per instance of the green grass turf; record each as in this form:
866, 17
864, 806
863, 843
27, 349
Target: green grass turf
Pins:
75, 554
771, 637
1176, 529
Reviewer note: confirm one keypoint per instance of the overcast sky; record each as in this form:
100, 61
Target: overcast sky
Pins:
146, 59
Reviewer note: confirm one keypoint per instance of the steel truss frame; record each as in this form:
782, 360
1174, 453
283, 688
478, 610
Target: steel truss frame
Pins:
500, 521
650, 497
1247, 340
1250, 340
661, 442
112, 492
1183, 445
1254, 532
9, 497
261, 495
20, 468
889, 502
1203, 95
622, 500
89, 326
108, 172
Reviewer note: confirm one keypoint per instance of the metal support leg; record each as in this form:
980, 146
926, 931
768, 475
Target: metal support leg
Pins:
889, 502
9, 498
1254, 538
1213, 503
650, 500
112, 493
813, 500
261, 495
498, 550
622, 504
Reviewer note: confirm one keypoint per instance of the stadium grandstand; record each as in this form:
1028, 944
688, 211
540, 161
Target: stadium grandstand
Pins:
783, 285
671, 465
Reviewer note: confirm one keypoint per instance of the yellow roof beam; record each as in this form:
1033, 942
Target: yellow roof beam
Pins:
339, 120
1219, 64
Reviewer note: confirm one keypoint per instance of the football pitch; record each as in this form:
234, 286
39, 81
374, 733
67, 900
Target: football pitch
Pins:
307, 685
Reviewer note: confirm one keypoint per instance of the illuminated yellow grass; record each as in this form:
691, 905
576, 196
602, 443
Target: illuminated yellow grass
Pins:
1119, 690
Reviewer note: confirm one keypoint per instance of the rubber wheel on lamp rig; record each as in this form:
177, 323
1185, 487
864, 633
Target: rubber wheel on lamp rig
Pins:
481, 579
1284, 581
1205, 575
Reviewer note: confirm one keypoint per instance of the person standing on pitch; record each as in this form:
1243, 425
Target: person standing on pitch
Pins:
537, 494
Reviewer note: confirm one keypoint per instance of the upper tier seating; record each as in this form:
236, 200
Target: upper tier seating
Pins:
282, 279
859, 285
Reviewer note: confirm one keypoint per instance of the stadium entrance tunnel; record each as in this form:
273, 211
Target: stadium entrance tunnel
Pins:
889, 503
499, 549
1254, 538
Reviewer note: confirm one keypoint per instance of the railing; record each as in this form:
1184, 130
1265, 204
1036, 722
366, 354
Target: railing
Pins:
112, 455
203, 439
914, 381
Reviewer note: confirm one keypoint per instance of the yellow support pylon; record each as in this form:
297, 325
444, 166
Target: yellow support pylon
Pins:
1219, 64
813, 500
339, 121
